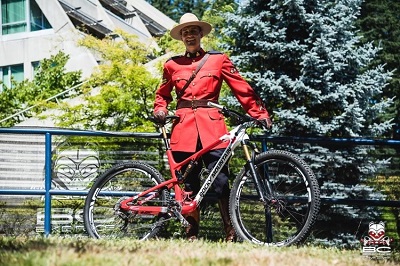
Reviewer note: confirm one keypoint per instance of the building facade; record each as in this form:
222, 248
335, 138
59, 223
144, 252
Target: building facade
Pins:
32, 30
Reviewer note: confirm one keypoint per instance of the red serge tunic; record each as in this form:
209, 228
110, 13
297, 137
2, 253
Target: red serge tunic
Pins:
204, 123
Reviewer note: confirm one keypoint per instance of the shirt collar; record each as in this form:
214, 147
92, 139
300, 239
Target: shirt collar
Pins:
196, 54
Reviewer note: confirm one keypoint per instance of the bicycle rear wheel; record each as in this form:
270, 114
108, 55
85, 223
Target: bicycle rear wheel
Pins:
288, 218
103, 217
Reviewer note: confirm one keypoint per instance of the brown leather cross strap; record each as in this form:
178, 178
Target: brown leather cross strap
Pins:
193, 104
200, 65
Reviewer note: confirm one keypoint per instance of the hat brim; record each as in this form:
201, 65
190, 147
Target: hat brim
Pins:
176, 31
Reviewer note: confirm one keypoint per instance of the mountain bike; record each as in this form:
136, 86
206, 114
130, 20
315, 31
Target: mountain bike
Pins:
274, 199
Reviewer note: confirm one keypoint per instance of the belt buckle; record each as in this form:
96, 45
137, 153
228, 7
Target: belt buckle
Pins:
193, 104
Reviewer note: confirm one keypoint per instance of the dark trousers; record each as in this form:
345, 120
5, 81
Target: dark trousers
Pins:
210, 159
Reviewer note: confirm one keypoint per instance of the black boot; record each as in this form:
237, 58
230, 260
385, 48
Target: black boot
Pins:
230, 233
192, 230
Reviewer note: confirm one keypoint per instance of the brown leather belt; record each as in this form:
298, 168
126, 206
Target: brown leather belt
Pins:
193, 104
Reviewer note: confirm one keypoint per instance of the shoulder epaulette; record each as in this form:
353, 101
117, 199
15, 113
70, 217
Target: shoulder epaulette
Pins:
174, 57
214, 52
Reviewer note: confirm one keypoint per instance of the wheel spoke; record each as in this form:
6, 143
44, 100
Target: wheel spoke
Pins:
292, 206
103, 216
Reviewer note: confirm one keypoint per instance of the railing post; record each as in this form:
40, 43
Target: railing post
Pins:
47, 185
264, 146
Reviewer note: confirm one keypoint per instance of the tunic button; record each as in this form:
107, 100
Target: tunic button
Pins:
193, 83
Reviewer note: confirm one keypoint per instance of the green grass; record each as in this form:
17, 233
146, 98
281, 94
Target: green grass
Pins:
57, 251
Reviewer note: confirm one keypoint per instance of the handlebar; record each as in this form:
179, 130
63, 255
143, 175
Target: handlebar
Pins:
213, 104
229, 113
243, 118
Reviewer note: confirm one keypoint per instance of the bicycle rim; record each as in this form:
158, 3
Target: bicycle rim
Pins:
103, 216
289, 218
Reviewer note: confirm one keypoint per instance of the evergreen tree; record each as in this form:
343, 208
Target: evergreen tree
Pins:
306, 61
168, 7
380, 24
175, 9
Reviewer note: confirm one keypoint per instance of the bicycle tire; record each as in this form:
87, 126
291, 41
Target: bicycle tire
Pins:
289, 219
102, 216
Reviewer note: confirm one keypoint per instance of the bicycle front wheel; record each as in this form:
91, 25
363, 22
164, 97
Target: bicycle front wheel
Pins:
103, 216
293, 207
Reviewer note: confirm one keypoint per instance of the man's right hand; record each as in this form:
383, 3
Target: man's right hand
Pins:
266, 122
160, 117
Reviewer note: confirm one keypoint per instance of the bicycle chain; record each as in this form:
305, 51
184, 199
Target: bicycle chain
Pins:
175, 209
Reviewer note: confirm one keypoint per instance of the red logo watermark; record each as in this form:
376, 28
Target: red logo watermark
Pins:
376, 243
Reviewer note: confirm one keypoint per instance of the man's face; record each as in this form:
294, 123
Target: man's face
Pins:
191, 36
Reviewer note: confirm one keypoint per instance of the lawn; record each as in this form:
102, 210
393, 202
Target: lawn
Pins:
57, 251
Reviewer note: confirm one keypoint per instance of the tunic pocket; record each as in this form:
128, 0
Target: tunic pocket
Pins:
210, 81
218, 126
180, 80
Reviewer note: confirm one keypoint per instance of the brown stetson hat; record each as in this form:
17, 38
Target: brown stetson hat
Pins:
189, 19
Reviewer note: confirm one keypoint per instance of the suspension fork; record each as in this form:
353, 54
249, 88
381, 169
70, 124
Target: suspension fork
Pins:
263, 186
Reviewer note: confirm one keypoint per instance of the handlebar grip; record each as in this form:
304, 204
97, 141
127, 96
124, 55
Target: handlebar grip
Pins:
212, 104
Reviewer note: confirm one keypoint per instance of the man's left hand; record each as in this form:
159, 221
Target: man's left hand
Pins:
160, 117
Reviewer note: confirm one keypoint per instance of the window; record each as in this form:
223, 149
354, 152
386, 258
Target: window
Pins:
22, 16
37, 19
9, 73
13, 16
35, 67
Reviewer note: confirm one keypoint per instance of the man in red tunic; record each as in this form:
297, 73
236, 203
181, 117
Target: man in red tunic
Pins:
199, 125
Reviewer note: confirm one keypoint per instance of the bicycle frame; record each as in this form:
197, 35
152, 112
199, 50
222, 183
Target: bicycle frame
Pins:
235, 137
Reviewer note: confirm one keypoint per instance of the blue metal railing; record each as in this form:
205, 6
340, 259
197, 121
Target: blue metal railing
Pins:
48, 192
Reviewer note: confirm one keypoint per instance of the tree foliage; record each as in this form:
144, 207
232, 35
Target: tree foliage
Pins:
304, 59
215, 16
51, 78
120, 94
9, 105
379, 23
175, 9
